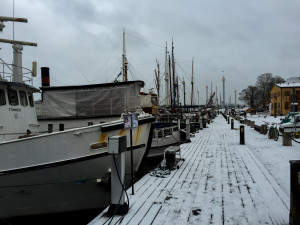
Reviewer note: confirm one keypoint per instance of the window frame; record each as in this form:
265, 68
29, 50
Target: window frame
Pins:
30, 99
26, 100
10, 102
2, 97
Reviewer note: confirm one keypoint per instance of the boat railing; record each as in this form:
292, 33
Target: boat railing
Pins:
6, 73
165, 131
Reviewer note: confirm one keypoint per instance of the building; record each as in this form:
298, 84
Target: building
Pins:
282, 97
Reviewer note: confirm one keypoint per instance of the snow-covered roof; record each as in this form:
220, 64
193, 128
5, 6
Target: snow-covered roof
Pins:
293, 80
288, 85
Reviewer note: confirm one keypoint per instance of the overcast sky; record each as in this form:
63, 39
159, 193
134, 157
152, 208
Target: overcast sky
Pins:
81, 40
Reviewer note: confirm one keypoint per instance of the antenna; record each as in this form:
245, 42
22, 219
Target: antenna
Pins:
17, 48
13, 22
13, 19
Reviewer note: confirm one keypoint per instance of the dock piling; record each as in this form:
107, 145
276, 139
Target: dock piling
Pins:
295, 192
242, 134
286, 139
187, 129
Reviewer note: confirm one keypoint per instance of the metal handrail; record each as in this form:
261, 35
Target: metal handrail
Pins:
4, 75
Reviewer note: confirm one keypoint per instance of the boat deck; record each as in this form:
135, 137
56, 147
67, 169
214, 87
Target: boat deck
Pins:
220, 182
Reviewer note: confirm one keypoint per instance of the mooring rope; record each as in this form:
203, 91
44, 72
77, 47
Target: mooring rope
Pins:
290, 136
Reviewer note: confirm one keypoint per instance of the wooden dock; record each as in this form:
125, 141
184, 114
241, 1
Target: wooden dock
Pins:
220, 182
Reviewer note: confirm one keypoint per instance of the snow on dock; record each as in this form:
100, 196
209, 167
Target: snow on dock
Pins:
220, 182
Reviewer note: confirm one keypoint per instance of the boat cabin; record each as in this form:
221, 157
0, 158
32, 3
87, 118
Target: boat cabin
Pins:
17, 111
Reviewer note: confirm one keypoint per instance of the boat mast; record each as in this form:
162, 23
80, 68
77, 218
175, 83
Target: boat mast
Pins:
173, 79
192, 82
216, 96
171, 99
124, 59
206, 94
166, 78
183, 82
177, 90
157, 80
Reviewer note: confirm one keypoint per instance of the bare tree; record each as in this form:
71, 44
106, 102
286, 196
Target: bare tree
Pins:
260, 93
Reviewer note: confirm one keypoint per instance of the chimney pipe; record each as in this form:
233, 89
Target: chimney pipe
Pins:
45, 76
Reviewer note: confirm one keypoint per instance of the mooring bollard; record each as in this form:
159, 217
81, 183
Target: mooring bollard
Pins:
204, 123
170, 156
117, 146
295, 192
242, 134
252, 124
228, 119
187, 130
232, 124
286, 139
201, 125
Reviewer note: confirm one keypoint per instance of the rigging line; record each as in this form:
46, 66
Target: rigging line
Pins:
145, 40
113, 74
177, 64
130, 68
105, 63
81, 73
137, 75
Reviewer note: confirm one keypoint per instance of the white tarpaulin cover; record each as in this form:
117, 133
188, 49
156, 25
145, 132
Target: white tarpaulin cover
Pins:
90, 101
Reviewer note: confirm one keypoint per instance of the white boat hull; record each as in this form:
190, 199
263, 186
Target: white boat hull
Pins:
170, 139
59, 172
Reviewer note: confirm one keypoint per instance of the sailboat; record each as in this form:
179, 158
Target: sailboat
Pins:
166, 132
61, 171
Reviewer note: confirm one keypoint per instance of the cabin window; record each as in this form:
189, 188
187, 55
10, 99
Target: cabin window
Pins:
2, 97
13, 97
23, 98
30, 97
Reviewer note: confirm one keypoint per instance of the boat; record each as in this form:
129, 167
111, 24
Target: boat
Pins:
293, 126
165, 134
67, 107
62, 171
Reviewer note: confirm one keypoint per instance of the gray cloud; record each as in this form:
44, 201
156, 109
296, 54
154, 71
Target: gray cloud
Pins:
242, 38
